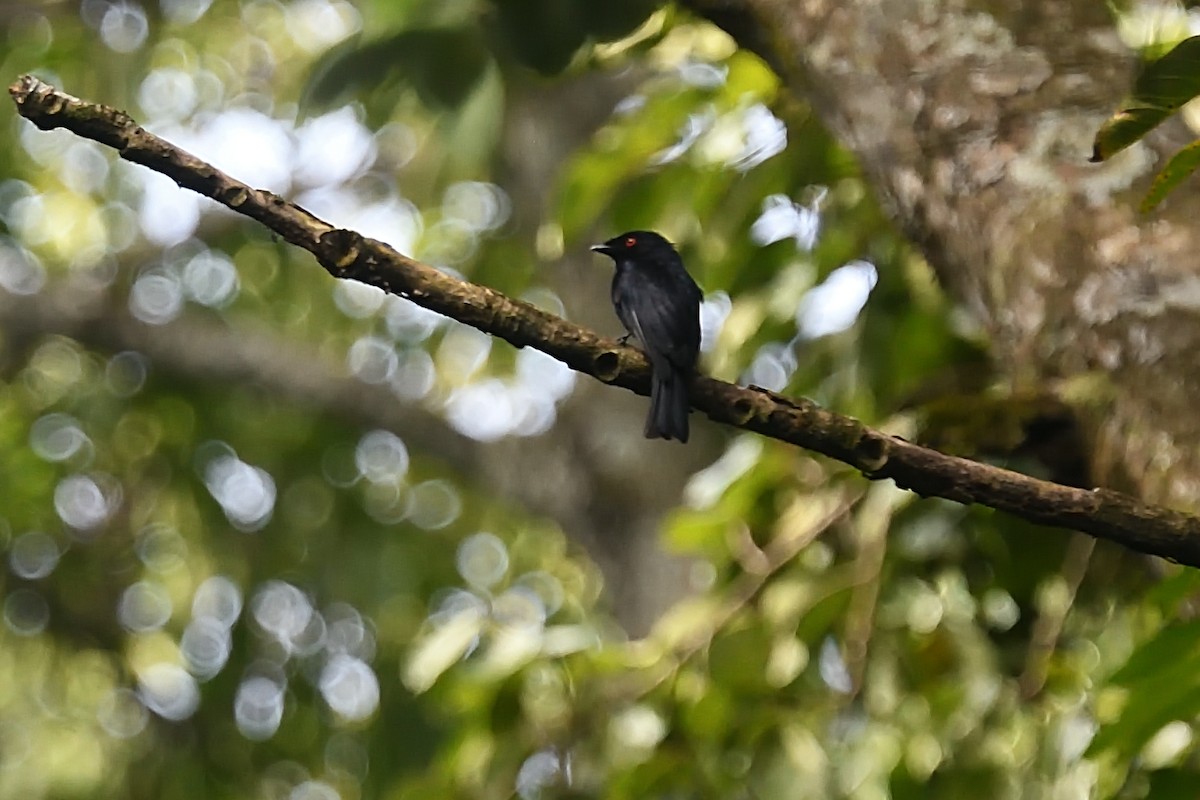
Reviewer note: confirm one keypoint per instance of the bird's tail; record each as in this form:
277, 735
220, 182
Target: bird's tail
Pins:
669, 405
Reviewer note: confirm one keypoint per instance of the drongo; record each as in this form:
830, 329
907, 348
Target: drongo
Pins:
659, 303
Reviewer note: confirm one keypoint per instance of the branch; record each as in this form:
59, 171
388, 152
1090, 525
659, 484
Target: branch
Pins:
345, 254
690, 627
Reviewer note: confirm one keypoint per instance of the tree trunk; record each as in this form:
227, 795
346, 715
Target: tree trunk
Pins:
975, 127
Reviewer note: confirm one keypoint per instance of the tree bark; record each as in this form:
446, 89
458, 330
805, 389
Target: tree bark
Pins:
974, 123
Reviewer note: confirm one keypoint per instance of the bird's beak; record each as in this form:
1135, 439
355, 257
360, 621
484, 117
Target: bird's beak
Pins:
601, 248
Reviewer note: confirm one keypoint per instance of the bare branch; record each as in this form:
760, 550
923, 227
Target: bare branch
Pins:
346, 254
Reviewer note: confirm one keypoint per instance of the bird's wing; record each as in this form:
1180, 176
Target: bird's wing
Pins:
667, 322
634, 324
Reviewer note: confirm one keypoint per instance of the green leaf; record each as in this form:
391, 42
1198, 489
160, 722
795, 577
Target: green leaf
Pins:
710, 717
737, 659
1147, 712
594, 178
1172, 80
1172, 645
834, 590
442, 64
1159, 91
1181, 165
1123, 129
1173, 591
1166, 784
1160, 676
606, 22
541, 34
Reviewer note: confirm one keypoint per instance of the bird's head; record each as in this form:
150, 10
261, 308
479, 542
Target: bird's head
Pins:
642, 246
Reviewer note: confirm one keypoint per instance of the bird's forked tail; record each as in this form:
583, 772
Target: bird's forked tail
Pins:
669, 405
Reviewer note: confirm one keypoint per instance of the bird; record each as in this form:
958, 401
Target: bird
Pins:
658, 302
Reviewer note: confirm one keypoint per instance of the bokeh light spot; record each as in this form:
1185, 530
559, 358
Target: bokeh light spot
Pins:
258, 707
246, 493
372, 359
144, 606
283, 612
26, 612
382, 457
121, 714
156, 297
433, 505
482, 560
57, 437
205, 646
33, 555
217, 598
834, 305
350, 687
124, 27
85, 502
210, 279
169, 691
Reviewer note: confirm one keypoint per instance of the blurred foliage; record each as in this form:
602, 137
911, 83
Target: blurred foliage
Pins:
1162, 88
216, 590
1166, 83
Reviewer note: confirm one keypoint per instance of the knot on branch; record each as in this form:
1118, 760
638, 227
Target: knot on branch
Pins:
871, 453
340, 251
607, 365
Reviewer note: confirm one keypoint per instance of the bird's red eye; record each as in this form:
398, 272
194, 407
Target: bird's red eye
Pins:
630, 241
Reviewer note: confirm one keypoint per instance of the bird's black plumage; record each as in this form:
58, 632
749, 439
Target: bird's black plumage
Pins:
659, 303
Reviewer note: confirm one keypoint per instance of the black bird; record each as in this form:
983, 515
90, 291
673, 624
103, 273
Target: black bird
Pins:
659, 303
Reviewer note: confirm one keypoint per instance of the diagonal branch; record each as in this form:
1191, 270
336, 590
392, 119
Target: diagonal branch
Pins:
346, 254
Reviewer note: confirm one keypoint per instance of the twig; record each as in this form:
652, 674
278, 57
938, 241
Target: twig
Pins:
1049, 624
871, 527
699, 619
